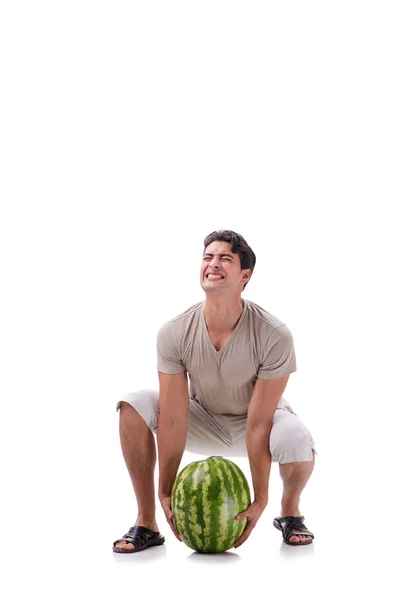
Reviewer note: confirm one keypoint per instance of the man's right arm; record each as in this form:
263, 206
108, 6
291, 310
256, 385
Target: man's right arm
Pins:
172, 427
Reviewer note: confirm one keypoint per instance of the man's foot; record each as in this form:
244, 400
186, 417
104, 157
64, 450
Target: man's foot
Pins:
292, 530
291, 509
138, 538
296, 539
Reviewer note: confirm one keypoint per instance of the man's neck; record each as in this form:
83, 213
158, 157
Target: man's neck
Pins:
222, 315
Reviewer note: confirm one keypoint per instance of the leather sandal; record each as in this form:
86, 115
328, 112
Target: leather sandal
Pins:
141, 538
292, 526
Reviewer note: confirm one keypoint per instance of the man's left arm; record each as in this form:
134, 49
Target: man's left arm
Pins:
263, 404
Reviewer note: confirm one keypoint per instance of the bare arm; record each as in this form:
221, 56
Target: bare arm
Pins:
263, 403
172, 428
260, 416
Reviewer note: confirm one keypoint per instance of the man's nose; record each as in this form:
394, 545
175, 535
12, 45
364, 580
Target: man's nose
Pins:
215, 263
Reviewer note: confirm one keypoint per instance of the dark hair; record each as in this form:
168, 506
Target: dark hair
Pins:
238, 245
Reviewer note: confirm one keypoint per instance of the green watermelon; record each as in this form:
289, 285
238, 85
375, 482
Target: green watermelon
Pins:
206, 497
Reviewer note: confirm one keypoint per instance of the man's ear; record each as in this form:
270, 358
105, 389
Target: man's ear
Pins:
246, 275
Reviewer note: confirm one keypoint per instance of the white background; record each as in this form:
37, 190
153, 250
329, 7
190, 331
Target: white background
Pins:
129, 131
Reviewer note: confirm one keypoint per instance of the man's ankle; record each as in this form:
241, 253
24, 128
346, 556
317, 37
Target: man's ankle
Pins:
145, 522
290, 511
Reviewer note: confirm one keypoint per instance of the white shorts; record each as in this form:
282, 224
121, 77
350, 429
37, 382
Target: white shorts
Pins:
225, 435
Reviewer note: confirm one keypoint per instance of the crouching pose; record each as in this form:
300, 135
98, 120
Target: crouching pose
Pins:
223, 366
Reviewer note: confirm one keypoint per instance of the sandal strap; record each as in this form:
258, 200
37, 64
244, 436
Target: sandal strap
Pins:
293, 526
138, 535
142, 530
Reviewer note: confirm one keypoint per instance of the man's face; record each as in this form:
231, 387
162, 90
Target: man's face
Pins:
220, 269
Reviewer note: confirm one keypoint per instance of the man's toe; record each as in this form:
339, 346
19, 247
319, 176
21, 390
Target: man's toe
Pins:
300, 538
124, 546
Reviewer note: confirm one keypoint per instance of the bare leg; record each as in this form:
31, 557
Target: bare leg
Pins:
139, 451
295, 476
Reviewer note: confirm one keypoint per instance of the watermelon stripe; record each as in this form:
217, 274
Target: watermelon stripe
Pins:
204, 506
243, 496
213, 499
177, 504
233, 525
195, 507
222, 494
190, 507
183, 526
186, 532
206, 511
228, 507
244, 486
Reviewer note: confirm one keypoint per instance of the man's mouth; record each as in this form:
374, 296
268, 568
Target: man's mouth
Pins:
214, 276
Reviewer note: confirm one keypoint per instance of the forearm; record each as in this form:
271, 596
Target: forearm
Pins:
171, 441
257, 441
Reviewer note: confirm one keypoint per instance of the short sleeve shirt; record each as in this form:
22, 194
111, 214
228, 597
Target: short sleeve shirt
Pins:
222, 381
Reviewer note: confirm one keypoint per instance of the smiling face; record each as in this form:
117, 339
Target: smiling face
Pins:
221, 271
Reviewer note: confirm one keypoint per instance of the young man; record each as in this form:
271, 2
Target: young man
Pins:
238, 358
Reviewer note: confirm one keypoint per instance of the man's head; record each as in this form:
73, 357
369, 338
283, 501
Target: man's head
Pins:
228, 255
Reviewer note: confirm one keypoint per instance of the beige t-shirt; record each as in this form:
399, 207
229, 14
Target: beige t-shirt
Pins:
222, 381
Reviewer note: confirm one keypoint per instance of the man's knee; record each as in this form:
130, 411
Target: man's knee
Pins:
143, 403
292, 443
125, 409
138, 398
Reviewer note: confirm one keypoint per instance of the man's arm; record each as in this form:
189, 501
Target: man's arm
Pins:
260, 414
263, 403
172, 428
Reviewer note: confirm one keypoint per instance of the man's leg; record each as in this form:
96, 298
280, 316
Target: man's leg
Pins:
139, 451
291, 445
206, 435
295, 476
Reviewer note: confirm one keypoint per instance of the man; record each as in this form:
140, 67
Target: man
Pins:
238, 358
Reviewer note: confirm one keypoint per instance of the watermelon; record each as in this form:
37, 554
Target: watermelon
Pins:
206, 497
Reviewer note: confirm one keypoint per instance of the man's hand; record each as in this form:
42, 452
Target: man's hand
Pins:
166, 506
253, 513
